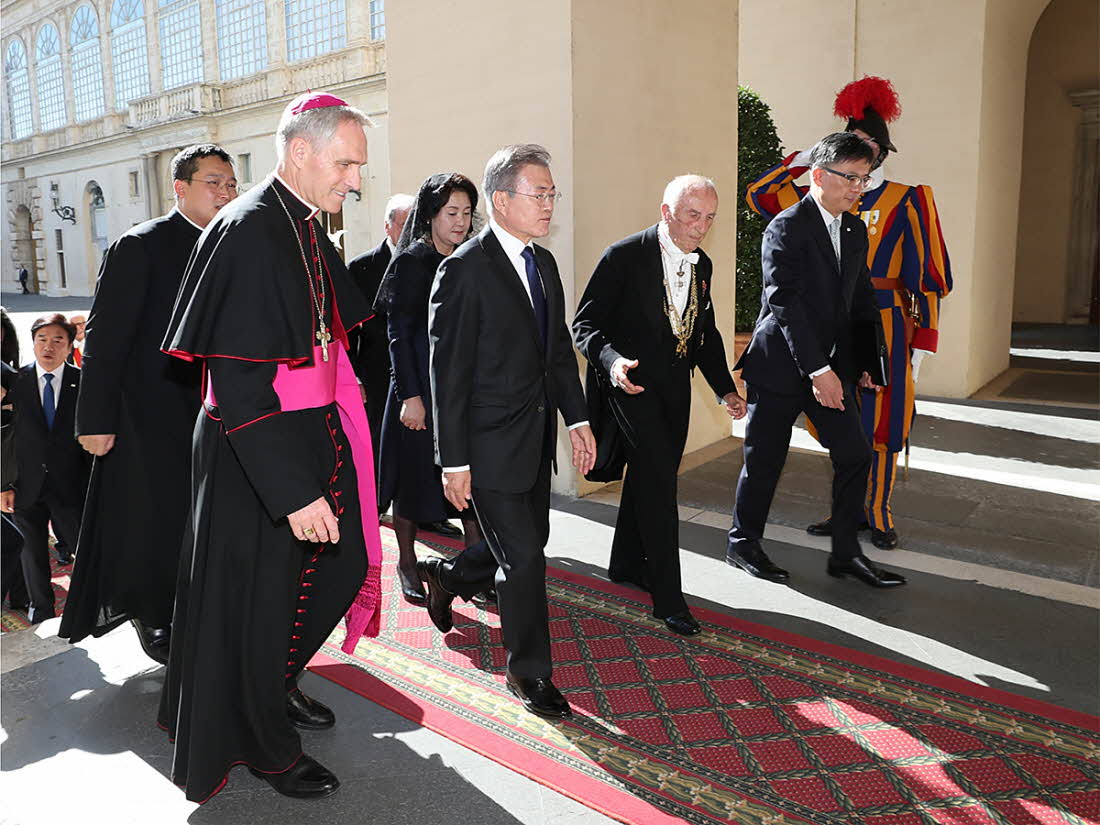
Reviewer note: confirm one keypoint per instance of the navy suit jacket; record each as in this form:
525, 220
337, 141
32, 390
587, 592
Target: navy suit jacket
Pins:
809, 304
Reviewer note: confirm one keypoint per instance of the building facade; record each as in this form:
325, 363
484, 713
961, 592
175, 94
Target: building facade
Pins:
98, 95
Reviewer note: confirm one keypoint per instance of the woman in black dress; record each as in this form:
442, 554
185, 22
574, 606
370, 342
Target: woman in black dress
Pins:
441, 219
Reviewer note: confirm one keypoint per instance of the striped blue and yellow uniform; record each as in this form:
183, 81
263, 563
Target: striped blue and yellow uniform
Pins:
911, 273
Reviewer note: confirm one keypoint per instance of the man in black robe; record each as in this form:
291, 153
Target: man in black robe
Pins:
136, 413
283, 515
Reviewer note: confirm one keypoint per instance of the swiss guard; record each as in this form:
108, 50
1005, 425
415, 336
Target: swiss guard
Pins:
910, 272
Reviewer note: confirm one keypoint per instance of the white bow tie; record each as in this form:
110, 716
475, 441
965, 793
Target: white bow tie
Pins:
678, 258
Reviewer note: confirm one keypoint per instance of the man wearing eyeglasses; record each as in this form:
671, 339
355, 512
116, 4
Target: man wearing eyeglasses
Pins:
502, 367
802, 358
911, 274
136, 413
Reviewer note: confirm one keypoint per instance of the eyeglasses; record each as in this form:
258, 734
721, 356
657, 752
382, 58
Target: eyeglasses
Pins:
854, 181
545, 198
229, 187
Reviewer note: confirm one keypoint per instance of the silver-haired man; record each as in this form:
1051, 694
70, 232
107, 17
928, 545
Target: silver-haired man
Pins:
283, 519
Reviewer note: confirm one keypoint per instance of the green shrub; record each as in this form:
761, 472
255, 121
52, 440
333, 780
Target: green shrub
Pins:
758, 149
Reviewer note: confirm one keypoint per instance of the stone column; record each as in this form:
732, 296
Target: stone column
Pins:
208, 15
1081, 271
594, 82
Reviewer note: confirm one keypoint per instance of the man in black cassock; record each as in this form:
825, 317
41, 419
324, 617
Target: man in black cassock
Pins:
645, 321
283, 516
135, 414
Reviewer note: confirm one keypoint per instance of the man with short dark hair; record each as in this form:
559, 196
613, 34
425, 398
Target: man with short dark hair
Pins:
803, 358
645, 321
502, 367
136, 413
285, 525
52, 470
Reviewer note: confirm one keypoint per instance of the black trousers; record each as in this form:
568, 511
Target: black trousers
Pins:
647, 530
33, 521
11, 563
516, 527
767, 440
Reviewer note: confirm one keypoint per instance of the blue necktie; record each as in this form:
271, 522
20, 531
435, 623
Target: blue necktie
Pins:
538, 297
49, 405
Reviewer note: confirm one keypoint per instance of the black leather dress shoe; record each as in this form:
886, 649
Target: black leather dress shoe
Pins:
305, 779
154, 640
439, 598
682, 623
539, 696
861, 568
756, 563
884, 539
485, 597
441, 528
825, 528
640, 580
412, 590
307, 713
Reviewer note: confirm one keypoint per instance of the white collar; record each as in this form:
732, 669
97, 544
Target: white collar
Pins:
826, 215
56, 373
513, 247
183, 214
313, 210
669, 247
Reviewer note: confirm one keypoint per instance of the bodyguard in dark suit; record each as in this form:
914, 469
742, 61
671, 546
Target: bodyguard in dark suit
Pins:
801, 359
52, 469
502, 366
370, 355
646, 320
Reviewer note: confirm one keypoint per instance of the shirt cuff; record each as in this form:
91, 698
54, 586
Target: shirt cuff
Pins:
821, 371
572, 427
464, 469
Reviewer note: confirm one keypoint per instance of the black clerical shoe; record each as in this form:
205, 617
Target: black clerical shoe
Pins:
307, 713
485, 597
861, 568
754, 562
154, 640
641, 580
539, 696
825, 528
439, 598
412, 590
441, 528
682, 623
305, 779
884, 539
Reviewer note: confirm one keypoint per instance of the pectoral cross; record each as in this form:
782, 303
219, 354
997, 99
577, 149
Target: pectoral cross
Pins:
324, 336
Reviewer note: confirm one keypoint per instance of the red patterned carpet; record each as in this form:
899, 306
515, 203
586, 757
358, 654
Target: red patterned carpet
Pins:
741, 724
17, 619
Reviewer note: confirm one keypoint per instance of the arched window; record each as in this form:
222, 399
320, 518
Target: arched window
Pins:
242, 37
87, 64
51, 85
19, 90
180, 42
128, 51
314, 27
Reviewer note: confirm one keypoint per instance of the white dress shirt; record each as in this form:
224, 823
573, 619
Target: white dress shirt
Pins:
513, 249
58, 374
676, 261
828, 217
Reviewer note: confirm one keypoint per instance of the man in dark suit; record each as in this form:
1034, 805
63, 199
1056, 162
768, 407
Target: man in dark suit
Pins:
502, 365
645, 321
52, 469
370, 355
802, 358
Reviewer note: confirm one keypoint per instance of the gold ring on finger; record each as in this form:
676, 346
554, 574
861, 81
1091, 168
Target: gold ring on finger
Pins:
309, 531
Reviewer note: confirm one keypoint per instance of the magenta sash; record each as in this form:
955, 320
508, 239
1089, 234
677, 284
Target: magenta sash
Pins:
307, 387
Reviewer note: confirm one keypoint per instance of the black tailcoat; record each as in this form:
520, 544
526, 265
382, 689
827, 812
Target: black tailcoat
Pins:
623, 313
139, 495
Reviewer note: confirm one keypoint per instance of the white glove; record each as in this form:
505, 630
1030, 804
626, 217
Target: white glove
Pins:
918, 356
801, 160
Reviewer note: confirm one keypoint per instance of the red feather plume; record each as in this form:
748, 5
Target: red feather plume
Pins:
868, 93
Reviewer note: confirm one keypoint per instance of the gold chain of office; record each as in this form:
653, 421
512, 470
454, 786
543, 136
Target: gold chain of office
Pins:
682, 326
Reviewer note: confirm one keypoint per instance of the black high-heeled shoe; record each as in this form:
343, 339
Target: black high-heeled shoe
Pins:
412, 589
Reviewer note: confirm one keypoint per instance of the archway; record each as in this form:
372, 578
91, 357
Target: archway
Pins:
25, 249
